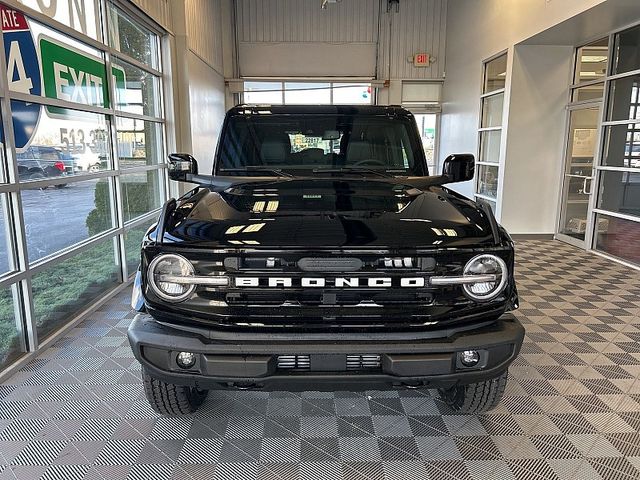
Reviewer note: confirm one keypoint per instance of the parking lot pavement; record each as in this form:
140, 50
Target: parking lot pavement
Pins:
55, 218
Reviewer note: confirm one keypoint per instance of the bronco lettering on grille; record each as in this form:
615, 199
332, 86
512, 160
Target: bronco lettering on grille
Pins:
335, 282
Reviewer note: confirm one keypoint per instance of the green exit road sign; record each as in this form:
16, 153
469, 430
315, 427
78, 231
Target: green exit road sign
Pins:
76, 76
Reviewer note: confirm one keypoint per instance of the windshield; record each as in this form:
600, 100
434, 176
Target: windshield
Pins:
310, 144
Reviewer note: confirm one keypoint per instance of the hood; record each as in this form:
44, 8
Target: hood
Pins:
328, 213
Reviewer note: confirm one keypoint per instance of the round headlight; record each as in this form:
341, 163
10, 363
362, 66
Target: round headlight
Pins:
165, 268
486, 265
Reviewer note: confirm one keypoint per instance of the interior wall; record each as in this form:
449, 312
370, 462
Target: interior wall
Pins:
207, 109
477, 30
351, 38
158, 10
540, 77
202, 56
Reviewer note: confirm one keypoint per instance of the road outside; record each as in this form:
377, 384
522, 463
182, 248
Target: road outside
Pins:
55, 218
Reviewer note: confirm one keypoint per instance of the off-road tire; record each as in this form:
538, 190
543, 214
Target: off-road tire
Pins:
475, 397
169, 399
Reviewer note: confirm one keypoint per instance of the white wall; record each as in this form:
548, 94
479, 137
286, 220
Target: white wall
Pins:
477, 30
203, 53
353, 38
158, 10
207, 109
536, 137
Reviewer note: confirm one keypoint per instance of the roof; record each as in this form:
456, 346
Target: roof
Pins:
389, 110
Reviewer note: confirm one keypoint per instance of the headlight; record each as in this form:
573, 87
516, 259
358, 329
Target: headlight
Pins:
165, 268
486, 265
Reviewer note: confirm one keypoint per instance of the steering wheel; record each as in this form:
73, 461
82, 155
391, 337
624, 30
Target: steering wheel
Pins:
369, 161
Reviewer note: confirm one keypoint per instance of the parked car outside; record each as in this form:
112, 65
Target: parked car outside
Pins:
41, 161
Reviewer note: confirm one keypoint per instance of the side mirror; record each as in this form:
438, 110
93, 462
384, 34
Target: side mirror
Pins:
180, 165
459, 167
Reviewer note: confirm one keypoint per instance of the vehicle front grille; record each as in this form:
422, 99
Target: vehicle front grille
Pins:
330, 297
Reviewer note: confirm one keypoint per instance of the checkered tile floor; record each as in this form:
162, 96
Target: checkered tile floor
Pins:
571, 409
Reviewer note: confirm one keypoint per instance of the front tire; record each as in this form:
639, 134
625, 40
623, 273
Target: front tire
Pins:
476, 397
169, 399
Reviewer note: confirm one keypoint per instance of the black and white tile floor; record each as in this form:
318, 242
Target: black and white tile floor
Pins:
571, 409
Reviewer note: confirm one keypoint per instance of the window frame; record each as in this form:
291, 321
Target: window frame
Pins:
499, 163
19, 279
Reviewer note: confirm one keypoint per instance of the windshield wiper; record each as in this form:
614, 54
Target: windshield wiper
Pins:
373, 171
257, 168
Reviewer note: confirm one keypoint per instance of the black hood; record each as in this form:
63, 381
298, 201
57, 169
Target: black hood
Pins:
328, 212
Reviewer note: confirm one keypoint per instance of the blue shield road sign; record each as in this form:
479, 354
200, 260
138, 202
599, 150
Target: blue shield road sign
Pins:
23, 73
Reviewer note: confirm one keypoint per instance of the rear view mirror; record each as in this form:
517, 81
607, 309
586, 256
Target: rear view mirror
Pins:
331, 135
459, 167
180, 165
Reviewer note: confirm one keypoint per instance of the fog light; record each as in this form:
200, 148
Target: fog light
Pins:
186, 359
469, 358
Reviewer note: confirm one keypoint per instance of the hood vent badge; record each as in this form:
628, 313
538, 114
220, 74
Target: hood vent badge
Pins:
310, 264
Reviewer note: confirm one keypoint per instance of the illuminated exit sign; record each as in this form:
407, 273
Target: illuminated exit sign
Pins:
421, 60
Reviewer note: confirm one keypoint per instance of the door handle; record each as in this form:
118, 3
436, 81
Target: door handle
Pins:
586, 191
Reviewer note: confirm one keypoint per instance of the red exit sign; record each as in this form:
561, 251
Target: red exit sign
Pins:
421, 60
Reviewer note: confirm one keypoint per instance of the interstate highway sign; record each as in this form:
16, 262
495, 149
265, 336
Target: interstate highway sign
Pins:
76, 76
23, 72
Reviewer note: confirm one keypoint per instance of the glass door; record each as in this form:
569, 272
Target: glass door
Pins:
578, 174
427, 125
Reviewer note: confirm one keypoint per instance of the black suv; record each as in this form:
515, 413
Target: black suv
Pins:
321, 254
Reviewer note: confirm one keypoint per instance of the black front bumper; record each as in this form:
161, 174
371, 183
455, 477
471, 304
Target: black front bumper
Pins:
251, 361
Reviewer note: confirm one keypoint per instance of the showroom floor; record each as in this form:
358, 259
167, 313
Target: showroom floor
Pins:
571, 409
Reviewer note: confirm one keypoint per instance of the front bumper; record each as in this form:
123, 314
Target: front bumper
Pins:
430, 361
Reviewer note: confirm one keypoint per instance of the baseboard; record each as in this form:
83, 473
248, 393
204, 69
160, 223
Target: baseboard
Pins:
532, 236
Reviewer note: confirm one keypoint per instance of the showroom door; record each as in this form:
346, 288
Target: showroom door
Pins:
578, 174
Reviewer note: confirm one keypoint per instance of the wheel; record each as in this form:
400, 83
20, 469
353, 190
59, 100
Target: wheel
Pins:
37, 176
475, 397
94, 168
169, 399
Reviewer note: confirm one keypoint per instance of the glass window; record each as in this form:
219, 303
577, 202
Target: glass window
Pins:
491, 203
139, 142
65, 142
131, 38
350, 94
624, 99
620, 192
6, 252
137, 91
589, 92
618, 237
427, 128
141, 193
307, 93
303, 143
488, 180
56, 218
495, 74
492, 110
12, 343
64, 289
627, 51
591, 61
55, 66
81, 16
622, 146
132, 242
267, 93
490, 146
